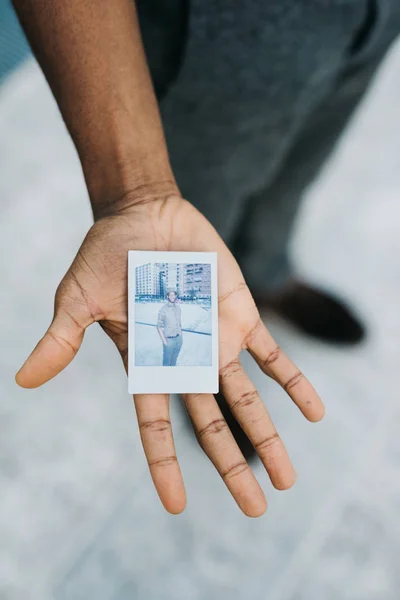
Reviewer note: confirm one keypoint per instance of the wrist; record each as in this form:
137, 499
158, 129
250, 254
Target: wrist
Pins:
115, 185
131, 192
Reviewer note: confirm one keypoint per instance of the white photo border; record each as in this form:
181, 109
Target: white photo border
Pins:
172, 380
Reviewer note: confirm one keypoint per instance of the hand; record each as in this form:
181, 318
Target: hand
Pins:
95, 289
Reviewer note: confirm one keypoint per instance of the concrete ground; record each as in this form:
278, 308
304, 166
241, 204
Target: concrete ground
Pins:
79, 518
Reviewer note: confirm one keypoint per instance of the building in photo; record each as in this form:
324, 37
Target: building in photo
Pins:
190, 281
153, 279
174, 276
197, 280
149, 280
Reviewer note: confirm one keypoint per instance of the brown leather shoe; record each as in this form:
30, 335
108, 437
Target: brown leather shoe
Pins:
315, 313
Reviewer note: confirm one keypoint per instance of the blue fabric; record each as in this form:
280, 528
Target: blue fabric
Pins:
263, 92
14, 47
171, 351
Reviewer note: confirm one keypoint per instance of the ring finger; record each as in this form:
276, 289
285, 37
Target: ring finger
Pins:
217, 441
252, 415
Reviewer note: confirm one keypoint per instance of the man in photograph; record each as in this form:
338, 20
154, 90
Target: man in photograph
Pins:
170, 328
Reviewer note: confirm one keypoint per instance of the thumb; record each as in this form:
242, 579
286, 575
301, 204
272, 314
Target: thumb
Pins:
55, 350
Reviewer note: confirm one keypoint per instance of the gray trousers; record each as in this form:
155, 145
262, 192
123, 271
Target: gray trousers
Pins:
254, 95
171, 351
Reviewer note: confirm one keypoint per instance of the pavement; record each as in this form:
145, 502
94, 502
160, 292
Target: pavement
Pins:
79, 517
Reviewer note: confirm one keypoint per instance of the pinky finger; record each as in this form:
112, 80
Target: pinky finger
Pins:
274, 362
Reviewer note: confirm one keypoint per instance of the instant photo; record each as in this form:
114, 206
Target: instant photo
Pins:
173, 322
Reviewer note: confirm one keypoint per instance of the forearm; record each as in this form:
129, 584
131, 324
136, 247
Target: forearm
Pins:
92, 56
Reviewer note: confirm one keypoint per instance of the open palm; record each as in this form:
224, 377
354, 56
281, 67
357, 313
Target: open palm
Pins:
95, 289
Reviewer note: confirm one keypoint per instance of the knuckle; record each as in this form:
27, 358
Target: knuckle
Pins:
213, 428
230, 369
156, 426
63, 342
191, 397
236, 470
272, 357
166, 461
267, 443
293, 381
245, 400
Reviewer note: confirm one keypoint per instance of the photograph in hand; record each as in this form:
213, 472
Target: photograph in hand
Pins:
173, 320
173, 315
